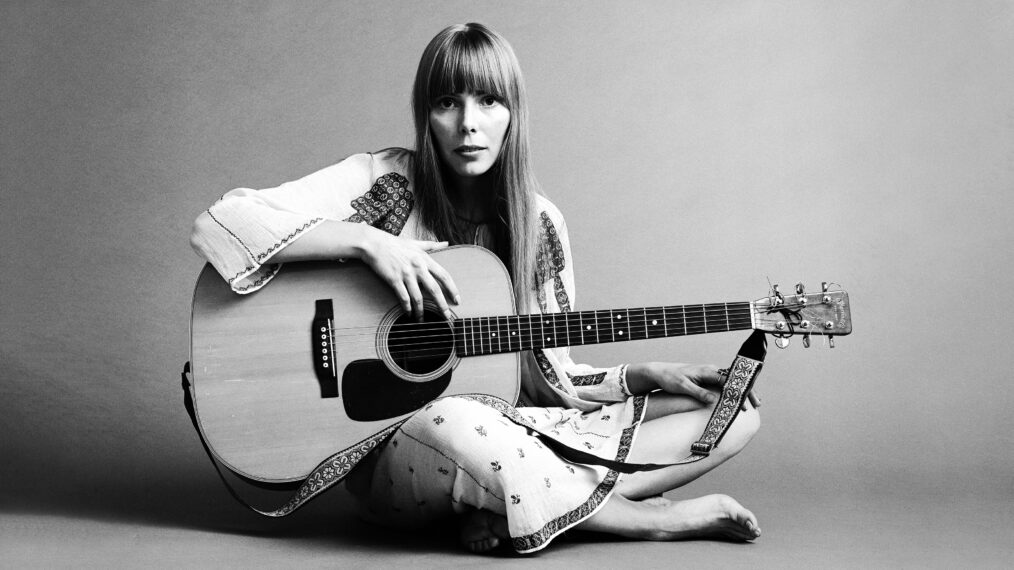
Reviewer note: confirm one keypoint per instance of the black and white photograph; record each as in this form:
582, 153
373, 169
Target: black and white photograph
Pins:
445, 284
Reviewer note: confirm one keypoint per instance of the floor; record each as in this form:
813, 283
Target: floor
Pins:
207, 530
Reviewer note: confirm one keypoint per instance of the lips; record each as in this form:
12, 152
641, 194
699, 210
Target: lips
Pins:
467, 148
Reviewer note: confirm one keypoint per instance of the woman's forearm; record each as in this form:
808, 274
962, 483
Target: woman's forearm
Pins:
331, 239
639, 380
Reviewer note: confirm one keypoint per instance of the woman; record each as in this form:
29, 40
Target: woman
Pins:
469, 180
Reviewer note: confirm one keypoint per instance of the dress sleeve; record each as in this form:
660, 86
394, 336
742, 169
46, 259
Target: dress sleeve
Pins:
576, 384
241, 232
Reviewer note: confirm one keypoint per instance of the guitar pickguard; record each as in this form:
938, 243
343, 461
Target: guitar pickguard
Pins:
371, 392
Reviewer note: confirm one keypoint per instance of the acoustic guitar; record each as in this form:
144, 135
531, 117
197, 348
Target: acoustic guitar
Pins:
325, 357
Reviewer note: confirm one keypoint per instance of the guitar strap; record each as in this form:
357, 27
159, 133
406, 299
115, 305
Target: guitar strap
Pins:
741, 376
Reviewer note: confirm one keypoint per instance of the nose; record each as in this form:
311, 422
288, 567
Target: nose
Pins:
469, 116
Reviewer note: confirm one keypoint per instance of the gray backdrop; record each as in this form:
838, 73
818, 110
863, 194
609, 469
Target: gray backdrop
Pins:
696, 149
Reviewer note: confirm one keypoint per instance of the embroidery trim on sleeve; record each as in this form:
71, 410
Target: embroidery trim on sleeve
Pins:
547, 369
386, 205
587, 379
549, 259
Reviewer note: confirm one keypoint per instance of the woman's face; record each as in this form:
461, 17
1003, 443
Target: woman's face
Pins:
469, 129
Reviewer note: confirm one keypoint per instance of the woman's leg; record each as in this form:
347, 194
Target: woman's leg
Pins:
667, 437
672, 424
715, 516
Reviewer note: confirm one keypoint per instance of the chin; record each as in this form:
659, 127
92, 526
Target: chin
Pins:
473, 170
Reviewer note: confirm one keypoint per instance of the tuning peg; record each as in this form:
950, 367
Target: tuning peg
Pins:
830, 340
806, 341
799, 288
782, 341
823, 286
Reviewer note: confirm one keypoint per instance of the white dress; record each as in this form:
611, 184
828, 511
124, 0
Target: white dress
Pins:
457, 452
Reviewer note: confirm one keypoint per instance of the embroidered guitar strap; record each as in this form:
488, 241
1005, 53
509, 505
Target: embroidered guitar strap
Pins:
740, 379
327, 473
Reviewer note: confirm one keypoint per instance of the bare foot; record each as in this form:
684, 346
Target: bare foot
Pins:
481, 531
710, 516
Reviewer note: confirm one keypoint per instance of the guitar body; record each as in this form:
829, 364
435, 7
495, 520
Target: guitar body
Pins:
261, 404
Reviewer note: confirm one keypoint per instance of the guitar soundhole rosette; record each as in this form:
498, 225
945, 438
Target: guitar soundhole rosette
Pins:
413, 350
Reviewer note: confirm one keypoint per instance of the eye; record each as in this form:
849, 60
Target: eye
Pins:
446, 103
488, 100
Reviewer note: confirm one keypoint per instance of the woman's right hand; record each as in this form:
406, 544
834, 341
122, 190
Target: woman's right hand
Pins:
406, 266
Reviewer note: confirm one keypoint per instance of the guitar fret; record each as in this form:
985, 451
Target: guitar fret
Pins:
471, 333
497, 336
566, 326
514, 333
511, 336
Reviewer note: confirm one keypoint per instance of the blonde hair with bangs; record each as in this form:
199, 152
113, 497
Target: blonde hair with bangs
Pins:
473, 58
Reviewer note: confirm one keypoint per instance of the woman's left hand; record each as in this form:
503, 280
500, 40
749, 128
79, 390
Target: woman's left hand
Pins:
699, 381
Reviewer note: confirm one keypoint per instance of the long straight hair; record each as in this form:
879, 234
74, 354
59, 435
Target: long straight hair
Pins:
472, 58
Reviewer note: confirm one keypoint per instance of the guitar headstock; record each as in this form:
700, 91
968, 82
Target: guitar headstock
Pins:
825, 313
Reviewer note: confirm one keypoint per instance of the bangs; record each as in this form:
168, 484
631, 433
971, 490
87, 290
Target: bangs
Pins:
470, 63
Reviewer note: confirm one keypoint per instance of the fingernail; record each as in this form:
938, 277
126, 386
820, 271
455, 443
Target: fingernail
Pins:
457, 299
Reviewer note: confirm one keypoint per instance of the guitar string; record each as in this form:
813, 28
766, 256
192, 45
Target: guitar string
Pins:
439, 345
532, 321
655, 314
431, 345
420, 330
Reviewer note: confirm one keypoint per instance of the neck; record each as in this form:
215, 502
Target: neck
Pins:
514, 333
471, 198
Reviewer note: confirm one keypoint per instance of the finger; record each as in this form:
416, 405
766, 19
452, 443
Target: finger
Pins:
433, 288
710, 375
702, 394
431, 245
444, 278
402, 294
412, 285
754, 398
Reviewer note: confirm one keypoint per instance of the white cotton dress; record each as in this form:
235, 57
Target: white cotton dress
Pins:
458, 452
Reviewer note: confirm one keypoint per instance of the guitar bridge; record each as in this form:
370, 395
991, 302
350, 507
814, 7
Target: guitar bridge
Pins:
322, 347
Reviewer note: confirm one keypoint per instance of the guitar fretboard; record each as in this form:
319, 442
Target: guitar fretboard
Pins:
515, 333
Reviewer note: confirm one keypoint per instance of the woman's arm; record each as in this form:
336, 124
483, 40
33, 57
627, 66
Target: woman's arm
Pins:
248, 233
404, 264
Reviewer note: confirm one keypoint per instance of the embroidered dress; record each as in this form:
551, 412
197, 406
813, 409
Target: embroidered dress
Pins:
458, 452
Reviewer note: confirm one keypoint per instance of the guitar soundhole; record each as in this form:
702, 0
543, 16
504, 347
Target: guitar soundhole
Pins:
421, 347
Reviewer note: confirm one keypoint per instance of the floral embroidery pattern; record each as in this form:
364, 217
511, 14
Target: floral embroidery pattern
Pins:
547, 369
480, 430
587, 379
386, 205
562, 300
332, 470
495, 465
438, 420
549, 259
515, 499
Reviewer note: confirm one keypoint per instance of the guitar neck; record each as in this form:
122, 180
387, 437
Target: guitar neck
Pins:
514, 333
